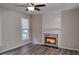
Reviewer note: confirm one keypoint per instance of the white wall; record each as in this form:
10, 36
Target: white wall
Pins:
11, 29
36, 25
70, 29
51, 24
51, 21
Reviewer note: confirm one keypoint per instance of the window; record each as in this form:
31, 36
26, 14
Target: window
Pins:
25, 28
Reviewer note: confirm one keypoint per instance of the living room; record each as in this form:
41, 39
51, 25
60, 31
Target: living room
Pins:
51, 29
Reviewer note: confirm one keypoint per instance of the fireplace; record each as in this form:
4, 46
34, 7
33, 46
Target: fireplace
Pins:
51, 39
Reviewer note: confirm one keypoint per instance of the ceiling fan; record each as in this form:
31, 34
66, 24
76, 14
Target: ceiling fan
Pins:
31, 6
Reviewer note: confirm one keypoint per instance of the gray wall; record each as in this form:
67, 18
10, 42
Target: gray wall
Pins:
70, 29
11, 29
0, 31
36, 24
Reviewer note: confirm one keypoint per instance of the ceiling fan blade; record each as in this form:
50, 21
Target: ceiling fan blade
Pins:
26, 10
37, 9
41, 5
32, 4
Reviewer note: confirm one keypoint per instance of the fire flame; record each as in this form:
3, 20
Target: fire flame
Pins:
51, 40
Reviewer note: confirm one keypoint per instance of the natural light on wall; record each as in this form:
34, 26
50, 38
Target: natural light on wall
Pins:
25, 28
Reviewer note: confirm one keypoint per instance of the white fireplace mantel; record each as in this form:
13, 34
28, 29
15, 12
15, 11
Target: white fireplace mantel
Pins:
51, 31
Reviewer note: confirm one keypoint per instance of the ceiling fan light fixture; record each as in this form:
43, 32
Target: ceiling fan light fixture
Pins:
30, 8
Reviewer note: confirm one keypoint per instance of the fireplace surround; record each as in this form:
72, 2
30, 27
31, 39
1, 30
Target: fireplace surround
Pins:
51, 39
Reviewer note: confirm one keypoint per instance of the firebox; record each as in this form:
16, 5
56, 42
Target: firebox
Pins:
50, 40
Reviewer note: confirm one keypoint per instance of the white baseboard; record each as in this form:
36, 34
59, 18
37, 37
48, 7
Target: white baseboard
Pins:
37, 43
70, 48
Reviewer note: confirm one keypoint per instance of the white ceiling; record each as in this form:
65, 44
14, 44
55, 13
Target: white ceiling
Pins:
50, 7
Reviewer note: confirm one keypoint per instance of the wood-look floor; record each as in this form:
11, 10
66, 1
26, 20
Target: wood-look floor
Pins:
34, 49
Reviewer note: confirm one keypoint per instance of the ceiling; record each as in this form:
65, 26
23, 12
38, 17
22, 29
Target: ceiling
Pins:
50, 7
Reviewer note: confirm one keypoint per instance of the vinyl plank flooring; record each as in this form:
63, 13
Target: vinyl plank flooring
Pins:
35, 49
